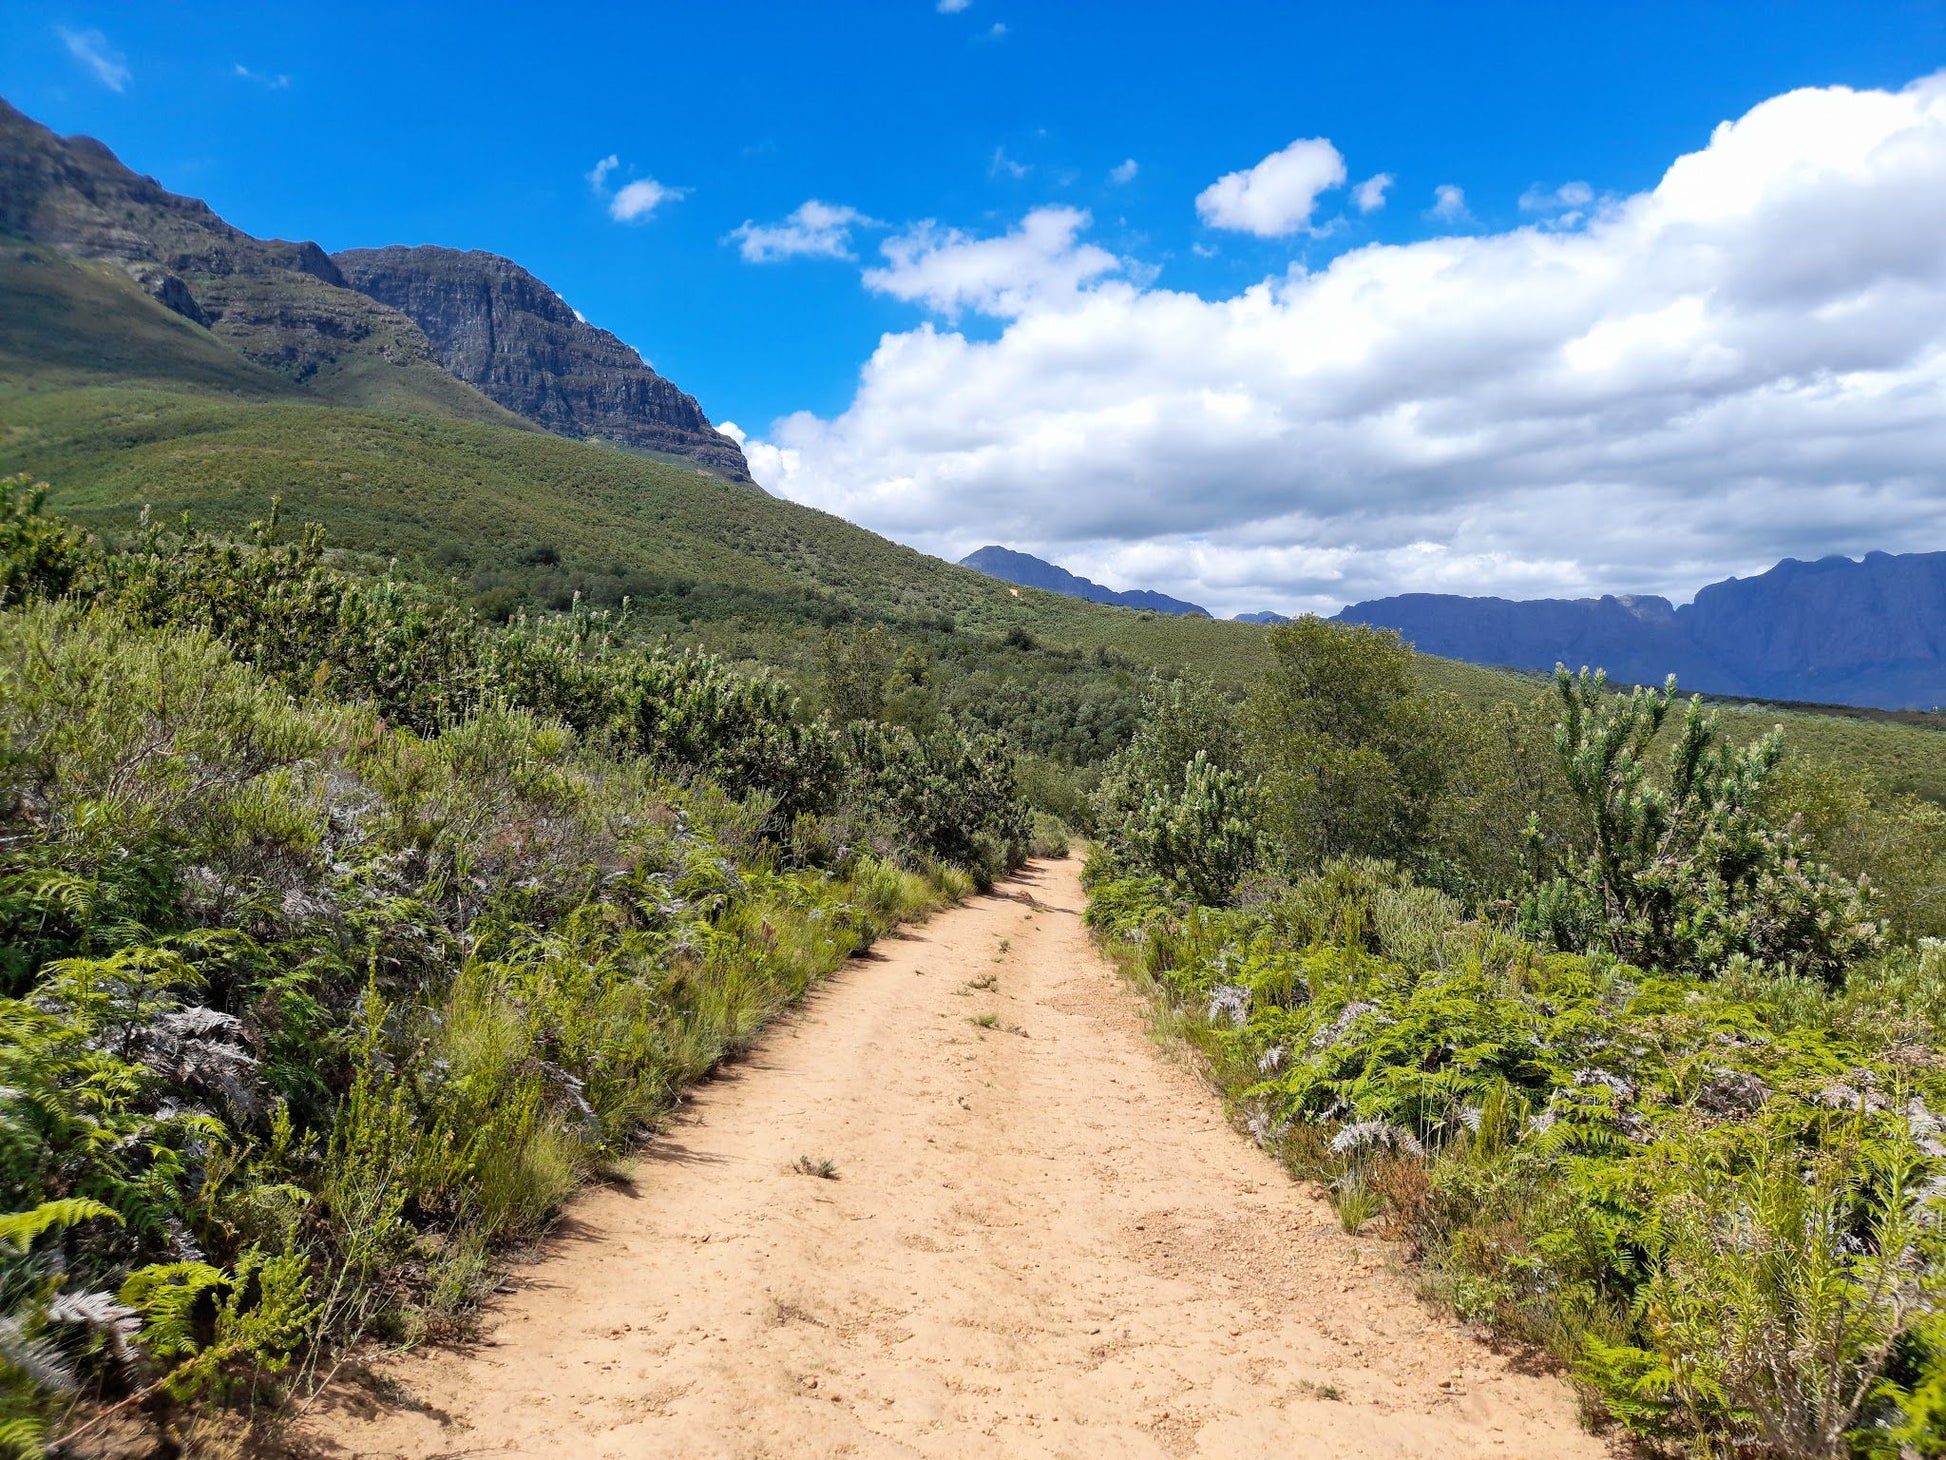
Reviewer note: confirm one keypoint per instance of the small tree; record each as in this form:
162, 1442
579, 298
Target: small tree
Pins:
1344, 738
1202, 839
1685, 872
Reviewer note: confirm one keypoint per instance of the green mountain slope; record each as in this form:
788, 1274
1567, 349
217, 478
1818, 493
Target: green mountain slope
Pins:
123, 403
452, 497
281, 306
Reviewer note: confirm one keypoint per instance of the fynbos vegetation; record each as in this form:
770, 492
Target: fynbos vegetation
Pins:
342, 934
1635, 1035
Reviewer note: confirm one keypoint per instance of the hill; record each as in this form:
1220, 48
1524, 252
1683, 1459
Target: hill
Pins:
1834, 631
124, 402
1028, 571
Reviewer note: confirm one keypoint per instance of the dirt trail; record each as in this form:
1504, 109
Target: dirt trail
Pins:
1041, 1242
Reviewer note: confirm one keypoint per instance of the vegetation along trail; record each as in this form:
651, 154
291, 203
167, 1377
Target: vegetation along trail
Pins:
1040, 1238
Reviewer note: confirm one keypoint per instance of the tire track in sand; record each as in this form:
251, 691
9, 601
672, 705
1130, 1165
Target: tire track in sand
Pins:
1040, 1243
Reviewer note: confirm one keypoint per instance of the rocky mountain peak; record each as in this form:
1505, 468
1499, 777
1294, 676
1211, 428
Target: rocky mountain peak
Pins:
470, 335
280, 304
509, 336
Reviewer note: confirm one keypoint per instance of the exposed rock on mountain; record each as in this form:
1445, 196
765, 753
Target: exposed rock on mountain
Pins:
462, 334
282, 305
1836, 630
1031, 572
502, 331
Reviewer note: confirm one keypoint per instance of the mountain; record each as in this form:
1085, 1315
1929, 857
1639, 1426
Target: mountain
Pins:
1267, 616
470, 336
1836, 631
505, 333
1028, 571
282, 306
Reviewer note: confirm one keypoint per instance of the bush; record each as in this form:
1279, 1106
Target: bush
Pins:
1724, 1210
40, 556
1686, 873
1203, 839
1047, 837
342, 935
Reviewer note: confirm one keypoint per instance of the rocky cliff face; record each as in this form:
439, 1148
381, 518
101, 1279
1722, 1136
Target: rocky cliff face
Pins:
1838, 631
465, 334
509, 336
284, 305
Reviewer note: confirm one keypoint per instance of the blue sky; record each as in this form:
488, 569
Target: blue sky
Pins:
478, 126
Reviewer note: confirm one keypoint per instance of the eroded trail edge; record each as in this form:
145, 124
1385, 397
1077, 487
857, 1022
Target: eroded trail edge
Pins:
1042, 1239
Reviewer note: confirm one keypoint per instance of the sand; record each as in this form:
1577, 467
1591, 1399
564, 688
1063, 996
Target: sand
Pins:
1042, 1239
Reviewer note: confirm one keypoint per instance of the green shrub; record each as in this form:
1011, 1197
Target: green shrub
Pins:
1204, 838
40, 555
1048, 836
1718, 1203
344, 936
1685, 872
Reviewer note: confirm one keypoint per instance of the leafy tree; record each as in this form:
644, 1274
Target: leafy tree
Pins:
1501, 795
1343, 740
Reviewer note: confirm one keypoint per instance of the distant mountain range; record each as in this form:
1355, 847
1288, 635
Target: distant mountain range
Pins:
1028, 571
1835, 631
467, 335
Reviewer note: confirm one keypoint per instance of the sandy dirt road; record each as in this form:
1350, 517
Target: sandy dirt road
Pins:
1043, 1240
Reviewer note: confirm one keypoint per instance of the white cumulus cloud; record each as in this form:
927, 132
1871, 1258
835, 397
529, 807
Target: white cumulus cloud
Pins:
1449, 203
635, 201
1278, 195
1124, 171
91, 49
1369, 196
1744, 362
1041, 265
813, 230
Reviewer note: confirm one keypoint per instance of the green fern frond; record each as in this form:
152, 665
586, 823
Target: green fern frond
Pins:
19, 1229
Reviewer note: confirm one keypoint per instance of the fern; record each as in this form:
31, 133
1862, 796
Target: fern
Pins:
19, 1229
